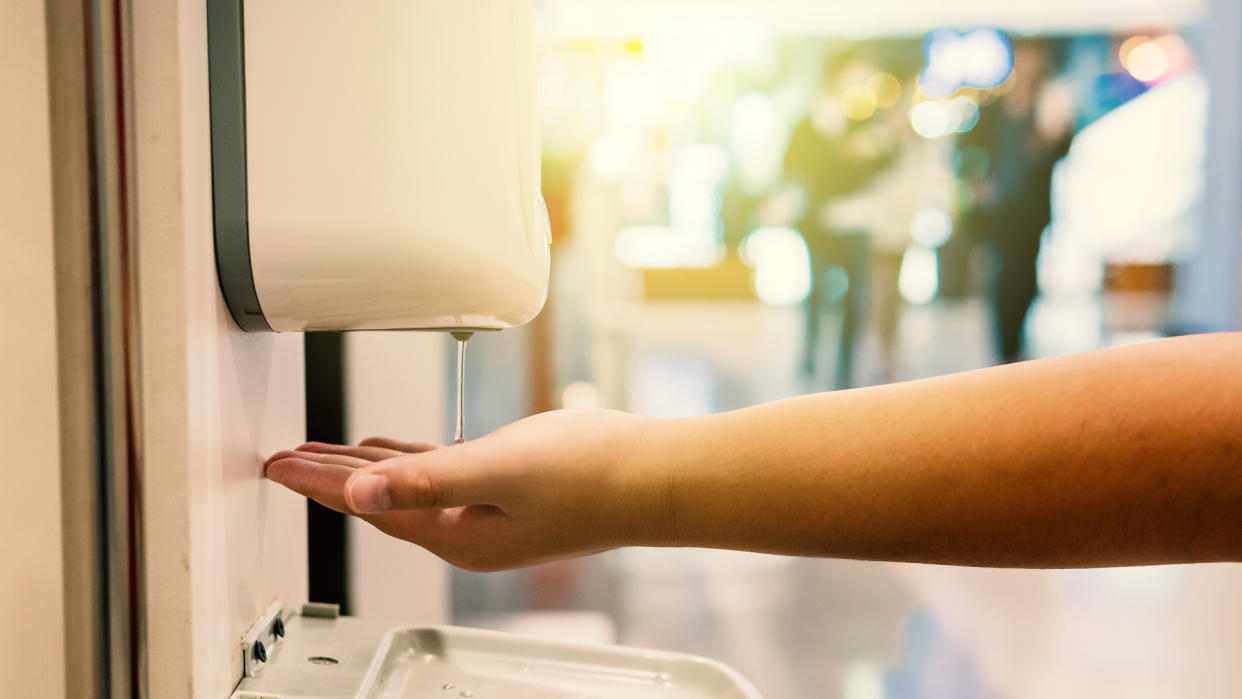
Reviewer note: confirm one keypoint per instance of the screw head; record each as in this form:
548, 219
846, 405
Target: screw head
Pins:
278, 627
260, 653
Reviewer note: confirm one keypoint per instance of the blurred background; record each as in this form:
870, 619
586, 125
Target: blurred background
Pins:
752, 200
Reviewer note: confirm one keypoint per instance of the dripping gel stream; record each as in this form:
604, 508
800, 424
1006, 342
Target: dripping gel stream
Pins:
459, 434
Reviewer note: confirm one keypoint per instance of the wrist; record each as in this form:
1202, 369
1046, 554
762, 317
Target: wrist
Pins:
658, 475
639, 486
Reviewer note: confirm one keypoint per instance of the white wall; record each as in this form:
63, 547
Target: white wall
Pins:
396, 387
221, 543
31, 581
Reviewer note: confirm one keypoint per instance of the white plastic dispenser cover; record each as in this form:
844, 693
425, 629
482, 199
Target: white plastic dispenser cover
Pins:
376, 165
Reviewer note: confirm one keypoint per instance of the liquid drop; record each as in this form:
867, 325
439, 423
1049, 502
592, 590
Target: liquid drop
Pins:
459, 434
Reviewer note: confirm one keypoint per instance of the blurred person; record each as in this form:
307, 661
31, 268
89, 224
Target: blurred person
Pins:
1026, 132
918, 177
830, 156
1126, 456
916, 181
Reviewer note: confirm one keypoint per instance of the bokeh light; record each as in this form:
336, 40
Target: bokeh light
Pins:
886, 88
966, 113
980, 58
782, 265
1151, 60
919, 280
1148, 61
858, 103
931, 119
1176, 51
931, 227
1128, 46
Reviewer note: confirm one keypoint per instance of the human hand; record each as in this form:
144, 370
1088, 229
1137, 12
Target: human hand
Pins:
551, 486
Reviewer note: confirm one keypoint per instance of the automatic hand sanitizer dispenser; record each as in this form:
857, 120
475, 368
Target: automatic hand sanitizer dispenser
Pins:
376, 165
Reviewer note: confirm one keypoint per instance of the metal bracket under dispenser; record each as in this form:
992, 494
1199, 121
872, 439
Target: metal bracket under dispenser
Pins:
352, 658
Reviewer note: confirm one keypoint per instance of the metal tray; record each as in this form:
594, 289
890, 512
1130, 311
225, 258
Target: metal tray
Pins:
450, 662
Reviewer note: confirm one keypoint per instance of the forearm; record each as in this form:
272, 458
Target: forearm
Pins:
1127, 456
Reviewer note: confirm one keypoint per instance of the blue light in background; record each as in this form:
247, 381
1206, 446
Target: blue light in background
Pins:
980, 58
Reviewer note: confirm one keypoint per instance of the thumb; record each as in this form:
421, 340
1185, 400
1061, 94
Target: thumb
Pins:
454, 476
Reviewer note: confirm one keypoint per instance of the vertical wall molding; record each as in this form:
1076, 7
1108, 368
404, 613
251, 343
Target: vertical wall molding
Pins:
87, 647
88, 86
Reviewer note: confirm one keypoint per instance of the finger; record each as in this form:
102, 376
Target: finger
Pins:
398, 445
323, 483
338, 459
458, 476
361, 452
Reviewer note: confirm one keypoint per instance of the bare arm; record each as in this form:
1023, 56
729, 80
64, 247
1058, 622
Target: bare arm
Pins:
1123, 456
1126, 456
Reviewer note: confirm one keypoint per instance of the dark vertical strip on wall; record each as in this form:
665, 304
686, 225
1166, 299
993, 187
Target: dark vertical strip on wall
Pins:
328, 552
76, 229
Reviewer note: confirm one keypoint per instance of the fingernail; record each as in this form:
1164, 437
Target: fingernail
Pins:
369, 493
